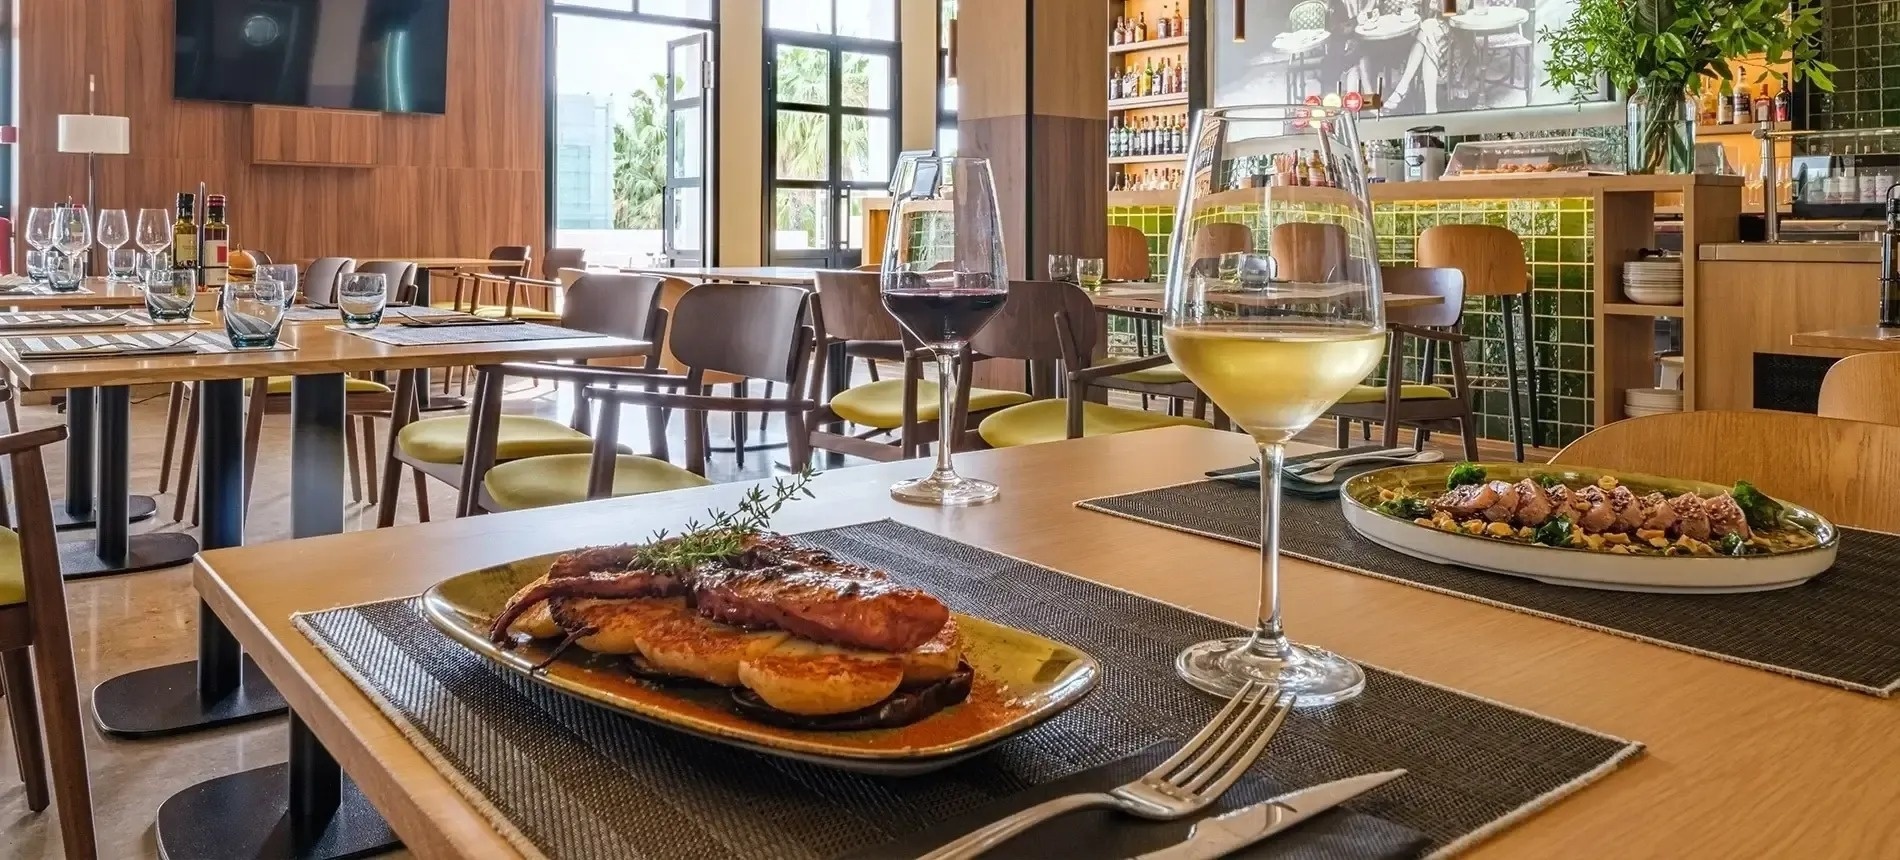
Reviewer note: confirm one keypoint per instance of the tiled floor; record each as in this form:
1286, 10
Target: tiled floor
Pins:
147, 619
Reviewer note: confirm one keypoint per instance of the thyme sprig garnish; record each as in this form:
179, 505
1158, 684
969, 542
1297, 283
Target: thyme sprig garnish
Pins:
724, 536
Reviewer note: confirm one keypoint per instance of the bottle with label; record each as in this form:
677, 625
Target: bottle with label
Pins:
216, 253
1300, 176
1180, 135
1316, 171
1115, 138
1180, 24
1162, 26
185, 233
1764, 108
1115, 35
1744, 103
1141, 28
1782, 107
1725, 105
1705, 106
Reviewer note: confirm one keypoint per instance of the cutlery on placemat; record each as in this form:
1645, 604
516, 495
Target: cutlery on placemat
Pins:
1316, 463
425, 322
1188, 782
115, 319
1327, 474
1224, 834
113, 348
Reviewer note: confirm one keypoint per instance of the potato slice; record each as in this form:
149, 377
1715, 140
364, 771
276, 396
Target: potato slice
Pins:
803, 677
933, 661
617, 623
537, 622
683, 643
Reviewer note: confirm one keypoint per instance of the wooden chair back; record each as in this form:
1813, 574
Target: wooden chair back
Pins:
851, 307
401, 276
1863, 387
258, 257
562, 258
748, 330
1309, 252
1845, 470
40, 626
1220, 237
1447, 284
511, 252
1127, 255
320, 280
1491, 257
615, 304
1031, 323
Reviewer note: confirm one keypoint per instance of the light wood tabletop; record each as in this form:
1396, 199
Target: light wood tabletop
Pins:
778, 275
436, 263
319, 349
100, 293
1740, 762
1863, 338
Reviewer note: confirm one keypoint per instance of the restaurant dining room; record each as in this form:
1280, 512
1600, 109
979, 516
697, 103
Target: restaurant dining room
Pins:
863, 429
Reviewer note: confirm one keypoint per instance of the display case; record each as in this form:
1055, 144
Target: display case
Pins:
1844, 174
1544, 156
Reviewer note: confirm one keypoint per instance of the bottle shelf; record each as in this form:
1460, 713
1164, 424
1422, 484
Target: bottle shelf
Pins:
1169, 100
1740, 128
1176, 158
1151, 44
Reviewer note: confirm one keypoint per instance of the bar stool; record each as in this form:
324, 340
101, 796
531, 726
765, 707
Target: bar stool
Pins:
1492, 260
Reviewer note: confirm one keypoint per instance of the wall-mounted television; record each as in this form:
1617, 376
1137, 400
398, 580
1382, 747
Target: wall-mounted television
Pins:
379, 55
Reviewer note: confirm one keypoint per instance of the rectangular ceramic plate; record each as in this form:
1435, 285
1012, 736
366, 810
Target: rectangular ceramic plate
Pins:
1021, 679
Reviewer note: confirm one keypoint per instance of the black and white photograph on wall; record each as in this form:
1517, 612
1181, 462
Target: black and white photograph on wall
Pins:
1484, 56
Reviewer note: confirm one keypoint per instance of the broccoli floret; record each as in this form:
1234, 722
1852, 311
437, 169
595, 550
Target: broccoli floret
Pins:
1761, 512
1464, 473
1731, 544
1405, 507
1554, 532
1548, 480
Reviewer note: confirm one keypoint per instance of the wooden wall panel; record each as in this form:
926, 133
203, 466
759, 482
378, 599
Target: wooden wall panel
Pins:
314, 138
450, 185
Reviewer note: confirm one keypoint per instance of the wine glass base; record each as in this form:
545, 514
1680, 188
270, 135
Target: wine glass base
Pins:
945, 492
1317, 677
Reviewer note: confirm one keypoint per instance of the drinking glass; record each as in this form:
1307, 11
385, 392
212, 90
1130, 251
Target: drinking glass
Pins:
170, 293
361, 298
1061, 267
114, 232
72, 231
40, 222
1088, 272
122, 264
1273, 360
283, 273
944, 276
254, 312
154, 234
37, 260
65, 272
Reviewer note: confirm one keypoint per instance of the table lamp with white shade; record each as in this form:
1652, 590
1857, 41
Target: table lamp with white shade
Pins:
94, 135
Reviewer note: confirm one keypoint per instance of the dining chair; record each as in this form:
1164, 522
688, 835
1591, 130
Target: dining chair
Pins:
530, 298
320, 280
1844, 470
1492, 260
1127, 255
1424, 405
1309, 252
401, 276
600, 303
35, 640
754, 331
470, 284
1047, 323
1215, 238
849, 308
1863, 387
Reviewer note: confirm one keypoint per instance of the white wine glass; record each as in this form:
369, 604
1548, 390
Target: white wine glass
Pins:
944, 277
40, 221
72, 230
154, 234
115, 230
1275, 339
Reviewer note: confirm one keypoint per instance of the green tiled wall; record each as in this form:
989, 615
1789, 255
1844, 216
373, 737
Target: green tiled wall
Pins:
1557, 238
1862, 37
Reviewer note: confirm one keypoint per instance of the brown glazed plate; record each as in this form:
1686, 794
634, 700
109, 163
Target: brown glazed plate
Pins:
1020, 680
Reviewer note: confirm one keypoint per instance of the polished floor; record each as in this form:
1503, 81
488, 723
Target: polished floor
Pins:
130, 622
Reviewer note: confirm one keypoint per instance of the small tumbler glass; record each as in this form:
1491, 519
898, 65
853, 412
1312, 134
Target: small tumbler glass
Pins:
254, 312
66, 272
361, 298
1062, 267
282, 273
122, 264
1088, 272
170, 294
36, 265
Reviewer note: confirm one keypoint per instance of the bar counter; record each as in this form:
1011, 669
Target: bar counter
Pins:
1756, 297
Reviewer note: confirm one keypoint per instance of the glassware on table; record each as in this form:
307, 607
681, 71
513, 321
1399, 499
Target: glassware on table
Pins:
1062, 267
1274, 360
1088, 272
283, 273
944, 277
113, 233
122, 264
65, 273
170, 293
41, 223
154, 235
254, 311
361, 297
36, 265
72, 234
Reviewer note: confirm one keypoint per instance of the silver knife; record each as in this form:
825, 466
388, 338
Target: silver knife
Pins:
1225, 834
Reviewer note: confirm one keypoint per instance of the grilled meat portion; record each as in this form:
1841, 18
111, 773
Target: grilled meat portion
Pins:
1534, 506
1468, 499
1595, 510
841, 605
1725, 518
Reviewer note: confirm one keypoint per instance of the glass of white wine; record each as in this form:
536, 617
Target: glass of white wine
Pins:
1274, 348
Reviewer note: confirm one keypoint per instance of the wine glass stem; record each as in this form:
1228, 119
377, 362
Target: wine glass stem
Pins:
946, 411
1268, 639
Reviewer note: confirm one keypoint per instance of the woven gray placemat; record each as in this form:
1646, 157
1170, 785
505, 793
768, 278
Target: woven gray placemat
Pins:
401, 335
204, 342
575, 781
1840, 628
306, 313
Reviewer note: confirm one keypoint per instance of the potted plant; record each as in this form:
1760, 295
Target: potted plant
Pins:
1659, 51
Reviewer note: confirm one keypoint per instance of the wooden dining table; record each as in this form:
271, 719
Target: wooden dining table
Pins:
787, 276
1739, 762
1845, 341
97, 293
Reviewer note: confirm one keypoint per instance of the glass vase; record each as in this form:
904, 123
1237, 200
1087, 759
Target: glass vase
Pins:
1661, 123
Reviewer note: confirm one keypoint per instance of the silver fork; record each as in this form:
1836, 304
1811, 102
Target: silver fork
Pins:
1188, 782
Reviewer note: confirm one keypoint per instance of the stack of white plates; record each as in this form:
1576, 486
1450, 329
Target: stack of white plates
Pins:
1638, 402
1653, 282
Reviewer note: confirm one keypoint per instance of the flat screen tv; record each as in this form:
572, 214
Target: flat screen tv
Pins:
380, 55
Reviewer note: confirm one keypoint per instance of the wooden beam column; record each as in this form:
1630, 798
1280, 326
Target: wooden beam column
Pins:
1032, 98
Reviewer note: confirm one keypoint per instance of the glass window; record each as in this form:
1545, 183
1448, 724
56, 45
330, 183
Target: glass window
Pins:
687, 218
804, 145
675, 8
804, 75
867, 81
804, 16
947, 140
799, 220
612, 5
866, 148
867, 19
688, 148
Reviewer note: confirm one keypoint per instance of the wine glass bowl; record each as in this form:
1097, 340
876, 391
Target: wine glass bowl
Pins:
154, 234
1273, 309
944, 277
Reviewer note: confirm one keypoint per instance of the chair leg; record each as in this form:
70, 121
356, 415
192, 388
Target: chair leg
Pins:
1342, 433
870, 365
1510, 377
352, 460
765, 418
422, 496
369, 458
174, 410
738, 429
253, 433
185, 456
13, 412
1530, 370
17, 673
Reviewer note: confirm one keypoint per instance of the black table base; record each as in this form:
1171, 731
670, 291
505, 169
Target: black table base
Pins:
304, 809
165, 700
82, 559
137, 509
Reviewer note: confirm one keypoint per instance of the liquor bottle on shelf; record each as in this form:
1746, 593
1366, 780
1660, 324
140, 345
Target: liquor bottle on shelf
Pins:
1725, 105
1316, 171
1180, 135
185, 233
1180, 23
1764, 104
1744, 105
1781, 104
1115, 35
1180, 75
1705, 106
1141, 28
215, 256
1162, 25
1300, 176
1115, 138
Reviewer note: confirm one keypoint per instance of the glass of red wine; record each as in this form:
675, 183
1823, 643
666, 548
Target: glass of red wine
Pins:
944, 277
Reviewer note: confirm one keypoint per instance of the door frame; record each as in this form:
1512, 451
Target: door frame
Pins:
702, 101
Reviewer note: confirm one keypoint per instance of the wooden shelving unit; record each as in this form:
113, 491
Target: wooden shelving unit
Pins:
1169, 109
1170, 100
1631, 309
1150, 45
1743, 129
1177, 158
